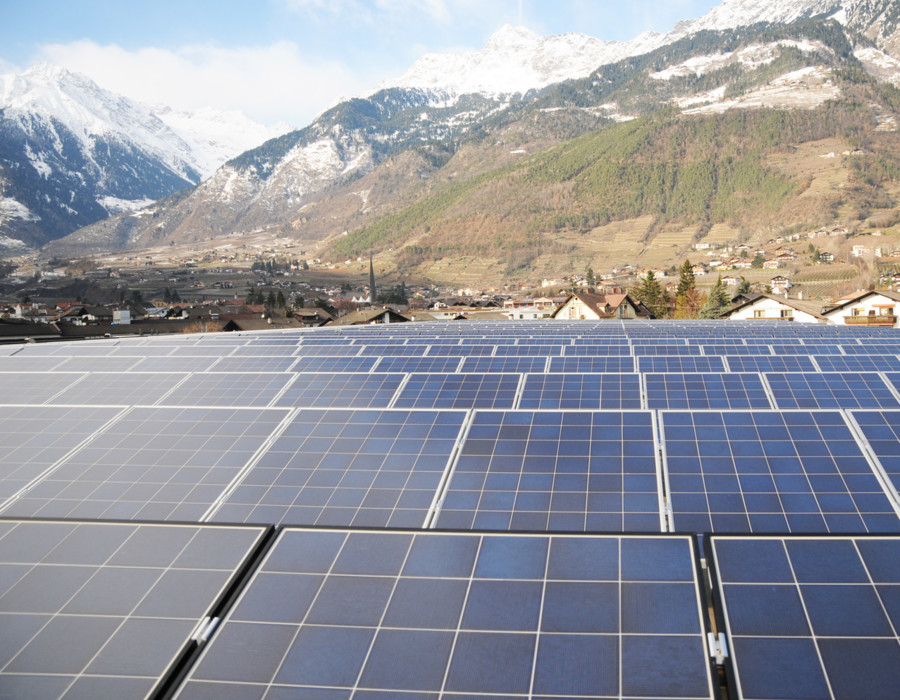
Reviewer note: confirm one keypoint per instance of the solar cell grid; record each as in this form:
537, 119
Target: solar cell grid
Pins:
419, 364
581, 391
766, 363
107, 609
123, 388
227, 389
519, 365
361, 468
857, 363
881, 430
458, 391
588, 365
175, 364
554, 470
335, 364
810, 617
37, 387
98, 364
704, 391
831, 390
152, 464
253, 364
680, 363
341, 390
428, 614
29, 448
29, 363
596, 351
771, 472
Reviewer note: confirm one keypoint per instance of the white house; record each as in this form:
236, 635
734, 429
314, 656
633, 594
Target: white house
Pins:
770, 308
866, 309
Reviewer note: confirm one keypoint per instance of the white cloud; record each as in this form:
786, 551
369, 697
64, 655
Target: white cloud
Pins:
270, 84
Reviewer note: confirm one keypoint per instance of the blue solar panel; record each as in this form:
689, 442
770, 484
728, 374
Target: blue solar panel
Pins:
680, 363
581, 391
458, 391
427, 615
589, 365
419, 364
555, 471
330, 365
831, 390
703, 391
810, 617
341, 390
771, 472
767, 363
858, 363
882, 432
521, 365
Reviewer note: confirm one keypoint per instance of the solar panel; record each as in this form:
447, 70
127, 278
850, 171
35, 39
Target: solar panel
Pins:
831, 390
37, 387
125, 388
858, 363
418, 364
589, 365
254, 363
680, 363
341, 390
810, 616
175, 364
881, 430
361, 468
581, 391
767, 363
30, 363
521, 365
105, 610
576, 471
771, 472
426, 615
98, 363
30, 448
227, 389
458, 391
335, 364
152, 464
703, 391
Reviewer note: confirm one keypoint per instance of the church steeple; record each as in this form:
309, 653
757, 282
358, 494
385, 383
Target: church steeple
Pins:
372, 294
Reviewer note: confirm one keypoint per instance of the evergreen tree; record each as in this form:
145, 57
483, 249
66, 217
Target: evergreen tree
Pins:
651, 295
590, 278
279, 300
686, 280
717, 303
270, 300
744, 287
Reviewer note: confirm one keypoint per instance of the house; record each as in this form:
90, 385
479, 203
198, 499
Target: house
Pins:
731, 281
877, 308
771, 264
769, 308
370, 316
780, 284
587, 306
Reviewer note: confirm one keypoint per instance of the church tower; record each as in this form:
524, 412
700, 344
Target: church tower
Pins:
372, 294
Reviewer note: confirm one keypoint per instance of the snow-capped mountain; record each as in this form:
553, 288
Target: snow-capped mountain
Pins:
72, 153
547, 88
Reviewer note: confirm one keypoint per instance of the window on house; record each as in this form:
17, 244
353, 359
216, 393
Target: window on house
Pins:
759, 313
787, 313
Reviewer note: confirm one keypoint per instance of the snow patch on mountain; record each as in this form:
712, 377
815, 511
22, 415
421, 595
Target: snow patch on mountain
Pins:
115, 205
879, 64
749, 57
13, 209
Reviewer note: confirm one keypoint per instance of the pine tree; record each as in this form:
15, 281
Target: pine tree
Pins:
686, 280
744, 287
280, 300
651, 295
717, 303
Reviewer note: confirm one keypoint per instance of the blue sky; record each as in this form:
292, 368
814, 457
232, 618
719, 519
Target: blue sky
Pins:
287, 60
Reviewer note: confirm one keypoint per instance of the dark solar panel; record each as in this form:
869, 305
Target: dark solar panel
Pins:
458, 391
581, 391
107, 610
541, 471
881, 430
361, 468
706, 391
810, 617
427, 615
771, 472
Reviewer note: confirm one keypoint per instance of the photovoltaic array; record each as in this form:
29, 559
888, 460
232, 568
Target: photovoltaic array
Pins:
453, 510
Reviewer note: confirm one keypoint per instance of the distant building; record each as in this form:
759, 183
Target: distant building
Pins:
587, 306
769, 308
